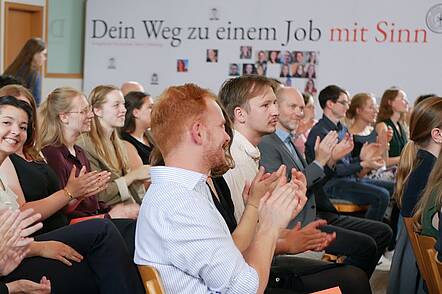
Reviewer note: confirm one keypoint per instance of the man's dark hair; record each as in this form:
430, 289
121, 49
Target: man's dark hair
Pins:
332, 93
9, 80
423, 97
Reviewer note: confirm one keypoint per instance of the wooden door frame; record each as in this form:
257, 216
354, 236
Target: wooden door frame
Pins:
24, 7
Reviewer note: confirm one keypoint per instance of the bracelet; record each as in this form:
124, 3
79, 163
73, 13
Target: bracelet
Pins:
68, 194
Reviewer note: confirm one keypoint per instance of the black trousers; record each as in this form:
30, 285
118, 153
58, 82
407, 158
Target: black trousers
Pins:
126, 227
107, 266
291, 274
362, 241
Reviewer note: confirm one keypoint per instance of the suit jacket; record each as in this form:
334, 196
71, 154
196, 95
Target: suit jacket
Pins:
274, 153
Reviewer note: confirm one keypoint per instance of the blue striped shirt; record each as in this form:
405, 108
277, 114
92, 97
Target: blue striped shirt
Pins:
181, 233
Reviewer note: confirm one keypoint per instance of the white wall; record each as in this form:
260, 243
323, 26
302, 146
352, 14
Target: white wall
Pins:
48, 83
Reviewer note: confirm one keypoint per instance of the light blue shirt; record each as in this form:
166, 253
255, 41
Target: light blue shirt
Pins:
181, 233
286, 138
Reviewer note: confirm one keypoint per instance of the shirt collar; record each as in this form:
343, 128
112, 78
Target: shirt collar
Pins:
283, 135
187, 178
65, 151
424, 154
245, 144
330, 124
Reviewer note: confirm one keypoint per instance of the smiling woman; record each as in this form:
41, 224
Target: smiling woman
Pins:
61, 262
106, 151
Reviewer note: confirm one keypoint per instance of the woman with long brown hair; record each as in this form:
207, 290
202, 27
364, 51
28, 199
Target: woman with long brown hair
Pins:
392, 109
417, 161
26, 66
65, 114
427, 209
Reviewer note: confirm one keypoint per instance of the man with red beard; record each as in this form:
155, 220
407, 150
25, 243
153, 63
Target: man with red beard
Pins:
179, 230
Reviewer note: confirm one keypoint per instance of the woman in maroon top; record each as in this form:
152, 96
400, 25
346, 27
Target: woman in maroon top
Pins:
34, 182
64, 116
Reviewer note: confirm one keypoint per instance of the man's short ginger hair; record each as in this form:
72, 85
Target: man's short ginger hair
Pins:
238, 91
176, 109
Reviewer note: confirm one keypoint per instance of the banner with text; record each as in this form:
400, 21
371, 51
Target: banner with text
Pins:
362, 46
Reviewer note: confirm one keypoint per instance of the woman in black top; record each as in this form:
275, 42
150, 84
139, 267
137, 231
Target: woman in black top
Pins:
100, 260
35, 183
134, 132
37, 179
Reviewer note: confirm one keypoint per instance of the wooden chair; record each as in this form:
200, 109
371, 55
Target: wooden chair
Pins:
335, 290
151, 280
435, 269
420, 245
345, 206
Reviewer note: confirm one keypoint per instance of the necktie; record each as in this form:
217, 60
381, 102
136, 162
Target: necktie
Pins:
294, 154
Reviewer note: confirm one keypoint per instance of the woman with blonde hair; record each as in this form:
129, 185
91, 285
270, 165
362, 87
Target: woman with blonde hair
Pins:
361, 117
26, 66
417, 161
65, 115
35, 183
106, 151
392, 109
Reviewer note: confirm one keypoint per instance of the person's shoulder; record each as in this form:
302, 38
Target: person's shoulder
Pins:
52, 150
268, 141
86, 144
172, 197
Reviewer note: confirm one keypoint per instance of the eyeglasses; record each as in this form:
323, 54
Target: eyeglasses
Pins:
84, 111
345, 103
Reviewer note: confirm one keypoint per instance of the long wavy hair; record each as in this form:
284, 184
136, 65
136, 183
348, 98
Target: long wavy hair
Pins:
112, 151
23, 65
425, 117
433, 190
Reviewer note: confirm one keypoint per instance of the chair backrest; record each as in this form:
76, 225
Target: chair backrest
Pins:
435, 269
420, 245
151, 280
425, 243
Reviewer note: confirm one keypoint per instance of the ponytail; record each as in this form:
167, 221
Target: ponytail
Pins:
406, 165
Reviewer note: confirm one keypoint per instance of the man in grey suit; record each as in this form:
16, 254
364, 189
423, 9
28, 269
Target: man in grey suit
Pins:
362, 241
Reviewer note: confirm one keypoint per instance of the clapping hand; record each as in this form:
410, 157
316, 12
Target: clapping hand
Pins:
16, 227
342, 148
324, 148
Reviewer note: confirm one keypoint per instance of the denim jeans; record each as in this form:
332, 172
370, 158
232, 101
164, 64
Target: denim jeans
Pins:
374, 193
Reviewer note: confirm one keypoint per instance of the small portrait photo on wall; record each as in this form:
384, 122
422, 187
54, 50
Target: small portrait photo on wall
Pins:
245, 52
248, 69
298, 57
234, 70
261, 69
274, 56
313, 57
212, 55
182, 65
285, 71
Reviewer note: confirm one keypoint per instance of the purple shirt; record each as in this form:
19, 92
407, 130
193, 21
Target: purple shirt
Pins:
61, 161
